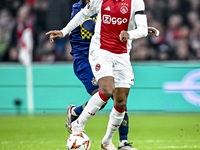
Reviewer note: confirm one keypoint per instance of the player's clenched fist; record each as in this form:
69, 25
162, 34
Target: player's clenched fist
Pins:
54, 34
123, 36
154, 31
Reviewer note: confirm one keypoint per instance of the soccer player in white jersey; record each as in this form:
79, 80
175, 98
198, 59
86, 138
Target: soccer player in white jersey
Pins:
109, 57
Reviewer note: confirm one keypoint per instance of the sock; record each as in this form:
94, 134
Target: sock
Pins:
93, 106
122, 143
116, 117
123, 129
78, 110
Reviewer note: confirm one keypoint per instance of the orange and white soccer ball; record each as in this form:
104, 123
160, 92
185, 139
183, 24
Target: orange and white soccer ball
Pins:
78, 141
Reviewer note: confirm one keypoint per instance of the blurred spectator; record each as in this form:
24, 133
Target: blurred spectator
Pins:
60, 12
154, 42
6, 26
155, 14
195, 5
141, 52
40, 8
192, 18
12, 5
163, 52
177, 20
195, 39
182, 50
68, 48
13, 55
173, 28
24, 20
173, 7
48, 52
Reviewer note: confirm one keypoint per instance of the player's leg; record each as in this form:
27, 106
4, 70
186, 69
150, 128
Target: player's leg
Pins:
73, 112
78, 109
84, 73
115, 119
101, 65
123, 129
86, 76
126, 76
95, 103
116, 115
123, 134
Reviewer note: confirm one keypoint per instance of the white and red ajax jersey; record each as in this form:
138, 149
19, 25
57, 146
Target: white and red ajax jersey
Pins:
113, 17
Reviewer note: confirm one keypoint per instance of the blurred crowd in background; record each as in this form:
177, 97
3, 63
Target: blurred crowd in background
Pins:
177, 20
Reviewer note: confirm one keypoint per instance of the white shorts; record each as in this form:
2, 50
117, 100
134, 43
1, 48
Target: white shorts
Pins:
105, 63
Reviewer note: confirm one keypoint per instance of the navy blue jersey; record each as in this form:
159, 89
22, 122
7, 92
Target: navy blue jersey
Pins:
80, 37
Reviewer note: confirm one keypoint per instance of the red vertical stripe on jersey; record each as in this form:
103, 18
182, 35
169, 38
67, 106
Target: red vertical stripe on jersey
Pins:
115, 16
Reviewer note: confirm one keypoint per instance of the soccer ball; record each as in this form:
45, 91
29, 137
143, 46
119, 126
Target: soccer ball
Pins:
78, 141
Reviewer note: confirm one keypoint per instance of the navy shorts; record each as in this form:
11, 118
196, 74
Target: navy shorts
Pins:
84, 73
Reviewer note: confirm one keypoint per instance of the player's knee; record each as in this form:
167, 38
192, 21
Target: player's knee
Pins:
107, 86
107, 92
120, 103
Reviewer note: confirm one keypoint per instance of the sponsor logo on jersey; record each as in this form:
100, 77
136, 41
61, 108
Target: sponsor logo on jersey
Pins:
124, 9
113, 20
94, 82
107, 8
97, 67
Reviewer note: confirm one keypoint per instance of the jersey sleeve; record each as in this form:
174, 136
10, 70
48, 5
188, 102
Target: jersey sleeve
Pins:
140, 21
139, 6
91, 8
80, 17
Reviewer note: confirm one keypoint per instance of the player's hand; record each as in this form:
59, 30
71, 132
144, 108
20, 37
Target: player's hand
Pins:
154, 31
124, 36
54, 34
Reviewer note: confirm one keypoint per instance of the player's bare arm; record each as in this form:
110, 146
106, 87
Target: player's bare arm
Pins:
54, 34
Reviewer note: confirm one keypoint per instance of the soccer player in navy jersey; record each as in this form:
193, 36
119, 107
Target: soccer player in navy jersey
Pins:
80, 40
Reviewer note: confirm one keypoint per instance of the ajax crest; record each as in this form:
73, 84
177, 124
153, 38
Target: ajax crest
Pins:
124, 9
97, 67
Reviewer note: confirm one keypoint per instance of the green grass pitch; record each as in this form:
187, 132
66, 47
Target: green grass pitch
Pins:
152, 131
